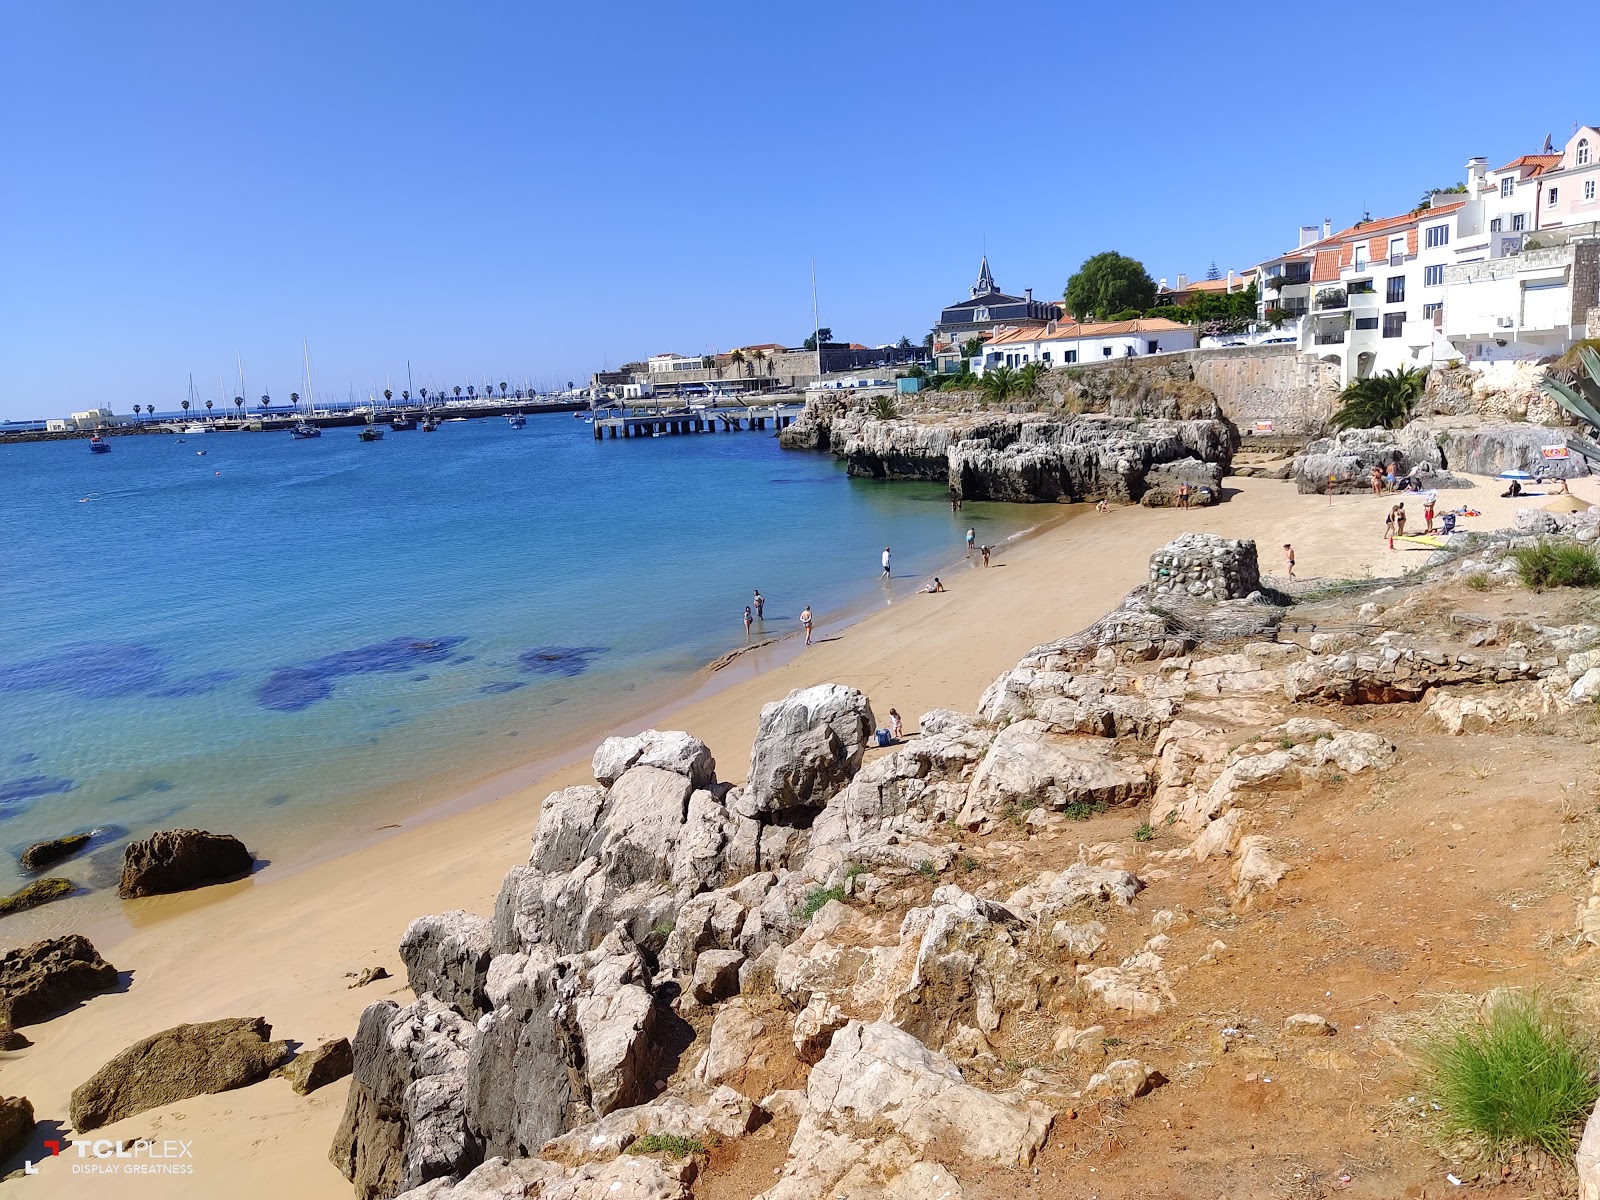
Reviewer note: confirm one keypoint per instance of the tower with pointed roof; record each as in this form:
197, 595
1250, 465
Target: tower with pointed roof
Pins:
986, 307
985, 285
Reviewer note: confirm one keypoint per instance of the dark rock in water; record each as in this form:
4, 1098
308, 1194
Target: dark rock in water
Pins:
40, 891
175, 1064
174, 860
195, 685
16, 1124
293, 688
564, 661
311, 1069
90, 672
15, 793
502, 686
42, 979
41, 854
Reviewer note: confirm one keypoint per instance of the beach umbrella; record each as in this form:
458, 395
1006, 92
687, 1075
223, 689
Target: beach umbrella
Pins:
1566, 504
1513, 475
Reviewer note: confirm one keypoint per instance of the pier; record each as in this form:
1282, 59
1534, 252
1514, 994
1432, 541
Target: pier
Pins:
696, 420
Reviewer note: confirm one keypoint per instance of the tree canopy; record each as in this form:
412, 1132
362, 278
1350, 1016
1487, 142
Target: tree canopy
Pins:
1107, 283
825, 333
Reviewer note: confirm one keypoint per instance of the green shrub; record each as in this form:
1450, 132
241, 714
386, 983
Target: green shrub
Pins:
1144, 832
1478, 581
1522, 1075
1082, 810
673, 1145
816, 898
1549, 564
883, 408
927, 870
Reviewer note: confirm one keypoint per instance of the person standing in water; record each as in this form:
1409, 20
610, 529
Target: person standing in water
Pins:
760, 602
972, 540
885, 574
805, 622
747, 622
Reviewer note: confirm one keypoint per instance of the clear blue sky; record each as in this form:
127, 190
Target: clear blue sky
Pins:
525, 190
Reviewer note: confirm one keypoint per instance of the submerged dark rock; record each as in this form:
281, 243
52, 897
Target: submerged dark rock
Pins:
565, 661
16, 793
297, 687
41, 854
40, 891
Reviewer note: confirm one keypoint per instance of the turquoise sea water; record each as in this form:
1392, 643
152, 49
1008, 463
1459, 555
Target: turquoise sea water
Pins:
261, 638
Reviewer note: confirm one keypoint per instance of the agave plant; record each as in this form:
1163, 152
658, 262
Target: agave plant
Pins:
1580, 396
1380, 401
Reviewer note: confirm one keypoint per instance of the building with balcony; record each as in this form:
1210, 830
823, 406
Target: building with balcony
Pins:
1529, 304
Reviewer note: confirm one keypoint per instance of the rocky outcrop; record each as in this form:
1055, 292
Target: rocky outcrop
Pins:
405, 1118
318, 1067
1028, 766
671, 751
447, 955
174, 860
1401, 669
808, 746
41, 979
1489, 447
184, 1061
43, 854
630, 1176
1345, 460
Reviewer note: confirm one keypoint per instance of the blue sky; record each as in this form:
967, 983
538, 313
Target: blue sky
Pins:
529, 191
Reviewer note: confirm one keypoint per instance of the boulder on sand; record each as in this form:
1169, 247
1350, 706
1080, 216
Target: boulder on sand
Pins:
16, 1123
47, 976
311, 1069
184, 1061
174, 860
808, 747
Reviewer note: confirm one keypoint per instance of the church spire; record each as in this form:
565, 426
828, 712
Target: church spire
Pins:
985, 283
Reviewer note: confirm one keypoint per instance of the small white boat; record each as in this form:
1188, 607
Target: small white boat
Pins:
196, 428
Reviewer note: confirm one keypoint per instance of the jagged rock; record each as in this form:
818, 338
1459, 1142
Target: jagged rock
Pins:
40, 891
815, 1026
1308, 1025
174, 860
877, 1073
734, 1045
1399, 671
1347, 751
630, 1176
960, 961
673, 751
808, 746
1588, 1157
728, 918
1028, 764
43, 854
722, 1114
815, 962
716, 975
1161, 483
1349, 456
16, 1125
1138, 986
448, 955
1053, 895
1254, 868
1459, 711
311, 1069
1125, 1079
365, 976
184, 1061
404, 1119
1587, 687
570, 1039
44, 977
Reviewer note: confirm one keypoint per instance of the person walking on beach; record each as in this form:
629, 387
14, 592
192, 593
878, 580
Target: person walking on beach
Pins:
1388, 525
1377, 480
747, 622
972, 539
1183, 494
805, 622
1288, 554
1400, 519
897, 727
984, 550
760, 602
1429, 499
1393, 482
885, 574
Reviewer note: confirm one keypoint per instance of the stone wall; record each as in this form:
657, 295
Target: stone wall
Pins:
1203, 564
1269, 383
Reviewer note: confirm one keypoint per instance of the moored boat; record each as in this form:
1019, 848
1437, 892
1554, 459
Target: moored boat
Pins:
371, 433
305, 429
398, 423
99, 445
516, 420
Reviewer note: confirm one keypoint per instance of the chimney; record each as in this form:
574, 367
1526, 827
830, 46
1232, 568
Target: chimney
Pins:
1183, 283
1308, 234
1327, 227
1477, 172
1029, 294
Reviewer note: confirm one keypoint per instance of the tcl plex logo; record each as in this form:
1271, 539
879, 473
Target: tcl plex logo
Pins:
138, 1157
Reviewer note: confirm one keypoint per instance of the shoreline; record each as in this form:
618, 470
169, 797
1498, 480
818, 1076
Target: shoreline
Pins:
279, 947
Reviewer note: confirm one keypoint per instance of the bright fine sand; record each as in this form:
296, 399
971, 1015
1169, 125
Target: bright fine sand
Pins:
279, 945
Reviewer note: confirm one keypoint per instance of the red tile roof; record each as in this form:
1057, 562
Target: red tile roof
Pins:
1534, 164
1067, 331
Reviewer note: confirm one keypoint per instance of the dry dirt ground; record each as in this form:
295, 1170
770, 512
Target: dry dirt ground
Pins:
1457, 871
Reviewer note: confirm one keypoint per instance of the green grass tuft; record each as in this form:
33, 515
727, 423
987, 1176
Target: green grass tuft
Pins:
1478, 581
1549, 564
1144, 832
927, 870
1523, 1075
816, 898
673, 1145
1082, 810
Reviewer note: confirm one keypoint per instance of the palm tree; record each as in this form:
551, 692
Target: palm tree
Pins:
186, 408
238, 404
737, 357
208, 410
405, 396
472, 392
266, 403
1031, 378
458, 391
502, 389
999, 384
294, 399
387, 395
1380, 401
423, 392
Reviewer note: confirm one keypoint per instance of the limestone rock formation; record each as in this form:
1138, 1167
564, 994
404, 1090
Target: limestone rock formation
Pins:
673, 751
808, 747
174, 860
447, 955
45, 977
184, 1061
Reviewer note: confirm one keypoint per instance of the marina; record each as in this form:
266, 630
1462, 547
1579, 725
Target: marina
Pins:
724, 419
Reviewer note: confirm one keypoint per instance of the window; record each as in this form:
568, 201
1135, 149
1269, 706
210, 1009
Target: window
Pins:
1396, 293
1106, 352
1366, 322
1495, 225
1070, 356
1507, 186
1392, 323
980, 315
1397, 250
1432, 276
1438, 235
1429, 311
1551, 202
1588, 189
1519, 222
1583, 152
1045, 357
1152, 347
1361, 258
1360, 287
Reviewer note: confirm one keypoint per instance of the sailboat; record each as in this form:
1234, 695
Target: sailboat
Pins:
303, 428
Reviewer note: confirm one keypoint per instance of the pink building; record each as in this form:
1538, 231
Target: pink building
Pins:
1570, 190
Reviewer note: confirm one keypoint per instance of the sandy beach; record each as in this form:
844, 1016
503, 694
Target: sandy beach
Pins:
280, 944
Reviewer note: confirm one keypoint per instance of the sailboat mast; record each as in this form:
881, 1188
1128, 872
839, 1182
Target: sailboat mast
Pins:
311, 403
816, 322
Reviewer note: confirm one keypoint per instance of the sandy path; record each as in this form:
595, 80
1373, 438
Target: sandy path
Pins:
279, 945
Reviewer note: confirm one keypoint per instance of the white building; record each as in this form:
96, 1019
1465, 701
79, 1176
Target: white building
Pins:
665, 364
1060, 343
94, 418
